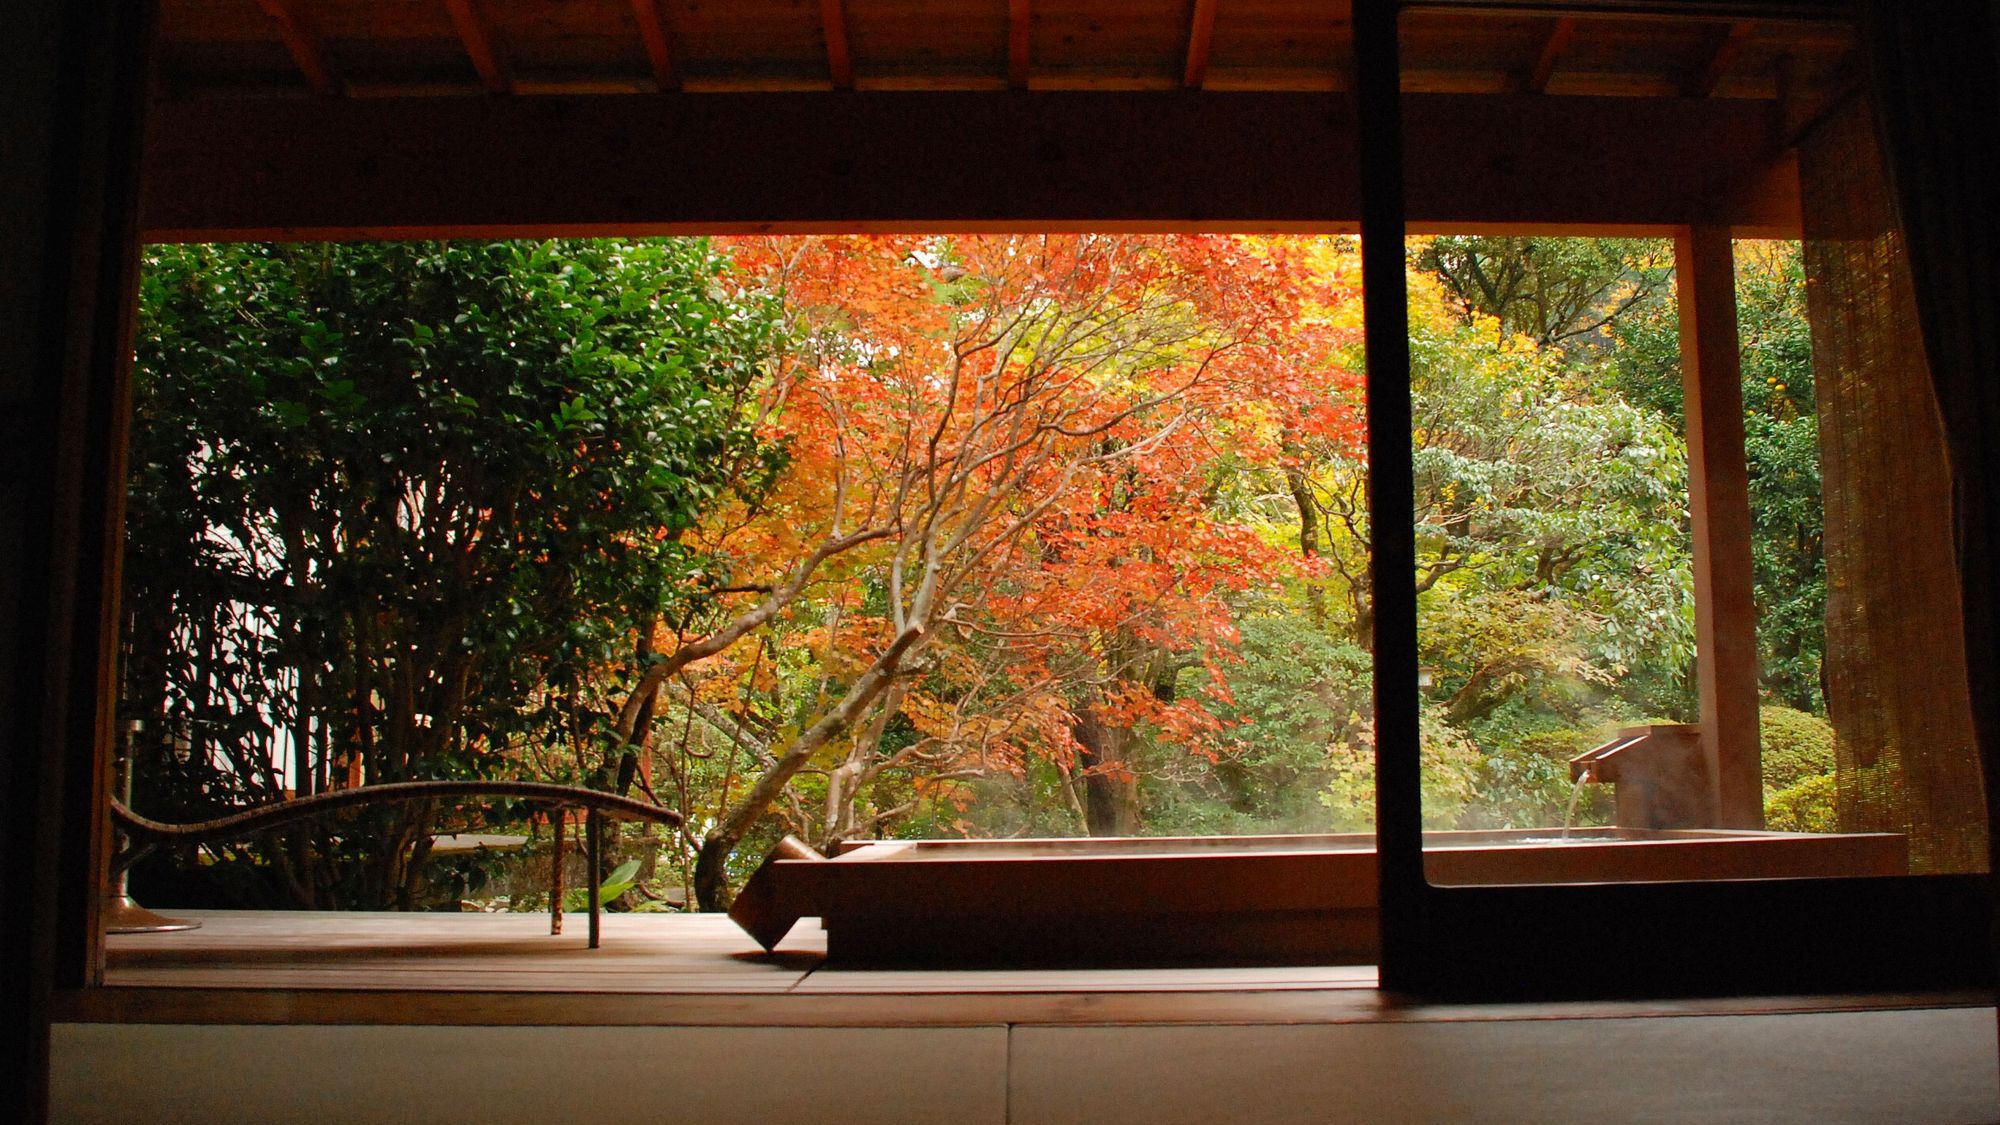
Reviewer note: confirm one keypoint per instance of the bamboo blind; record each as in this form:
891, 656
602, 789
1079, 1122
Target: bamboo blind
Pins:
1895, 670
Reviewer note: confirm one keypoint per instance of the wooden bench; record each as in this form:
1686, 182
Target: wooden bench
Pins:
146, 834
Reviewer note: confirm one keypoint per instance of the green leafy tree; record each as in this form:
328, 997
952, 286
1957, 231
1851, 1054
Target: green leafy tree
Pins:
1295, 719
1781, 448
1781, 445
1551, 550
403, 511
1557, 292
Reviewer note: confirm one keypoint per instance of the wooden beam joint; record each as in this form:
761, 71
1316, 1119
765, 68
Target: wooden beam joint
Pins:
659, 43
1722, 59
1553, 49
839, 58
1201, 33
481, 45
308, 53
1020, 42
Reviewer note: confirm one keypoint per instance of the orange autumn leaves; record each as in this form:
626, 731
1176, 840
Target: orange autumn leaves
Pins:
1047, 431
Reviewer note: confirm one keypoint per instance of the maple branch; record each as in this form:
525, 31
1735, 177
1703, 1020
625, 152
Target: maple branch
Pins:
737, 629
731, 827
845, 781
720, 722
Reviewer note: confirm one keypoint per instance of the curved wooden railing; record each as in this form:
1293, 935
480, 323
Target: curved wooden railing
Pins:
146, 833
319, 804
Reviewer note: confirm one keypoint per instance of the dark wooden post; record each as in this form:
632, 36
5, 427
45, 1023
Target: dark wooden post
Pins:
593, 850
1399, 810
72, 93
1719, 498
558, 827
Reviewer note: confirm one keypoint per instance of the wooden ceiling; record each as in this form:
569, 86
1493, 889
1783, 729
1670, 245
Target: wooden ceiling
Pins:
422, 47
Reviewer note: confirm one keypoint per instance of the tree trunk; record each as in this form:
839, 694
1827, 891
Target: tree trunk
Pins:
1309, 535
711, 870
711, 874
632, 752
846, 784
1110, 787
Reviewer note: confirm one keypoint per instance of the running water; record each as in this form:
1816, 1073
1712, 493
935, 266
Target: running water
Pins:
1575, 793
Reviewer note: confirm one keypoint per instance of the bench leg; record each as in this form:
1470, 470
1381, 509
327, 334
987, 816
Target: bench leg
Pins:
593, 842
557, 826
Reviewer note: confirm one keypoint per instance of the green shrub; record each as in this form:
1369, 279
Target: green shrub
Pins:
1805, 807
1527, 784
1561, 745
1797, 748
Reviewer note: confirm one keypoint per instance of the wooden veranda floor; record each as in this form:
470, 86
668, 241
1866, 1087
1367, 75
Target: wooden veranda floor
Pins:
640, 953
680, 969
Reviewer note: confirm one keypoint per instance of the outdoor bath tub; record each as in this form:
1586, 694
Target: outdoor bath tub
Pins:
1256, 899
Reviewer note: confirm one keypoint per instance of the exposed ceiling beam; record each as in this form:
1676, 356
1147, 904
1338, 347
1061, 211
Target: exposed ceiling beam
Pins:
839, 60
308, 54
1201, 32
659, 43
481, 45
1020, 42
287, 168
1722, 59
1553, 48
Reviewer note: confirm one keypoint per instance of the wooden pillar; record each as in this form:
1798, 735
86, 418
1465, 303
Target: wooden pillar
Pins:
1399, 825
71, 97
1719, 498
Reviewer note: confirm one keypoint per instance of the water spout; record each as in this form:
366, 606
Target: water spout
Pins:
1575, 793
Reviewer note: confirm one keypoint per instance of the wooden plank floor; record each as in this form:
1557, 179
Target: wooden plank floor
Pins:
698, 970
640, 953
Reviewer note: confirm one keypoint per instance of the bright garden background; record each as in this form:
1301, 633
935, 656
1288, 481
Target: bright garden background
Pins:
914, 536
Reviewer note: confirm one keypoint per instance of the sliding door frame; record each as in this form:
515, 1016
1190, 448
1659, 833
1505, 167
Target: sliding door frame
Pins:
1537, 942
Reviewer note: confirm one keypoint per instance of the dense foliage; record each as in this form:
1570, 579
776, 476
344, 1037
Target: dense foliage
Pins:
1781, 444
907, 536
396, 509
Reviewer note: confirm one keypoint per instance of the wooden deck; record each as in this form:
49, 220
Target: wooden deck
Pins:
681, 969
454, 952
641, 953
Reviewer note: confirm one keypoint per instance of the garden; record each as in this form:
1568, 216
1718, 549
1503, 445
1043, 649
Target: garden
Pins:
912, 537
